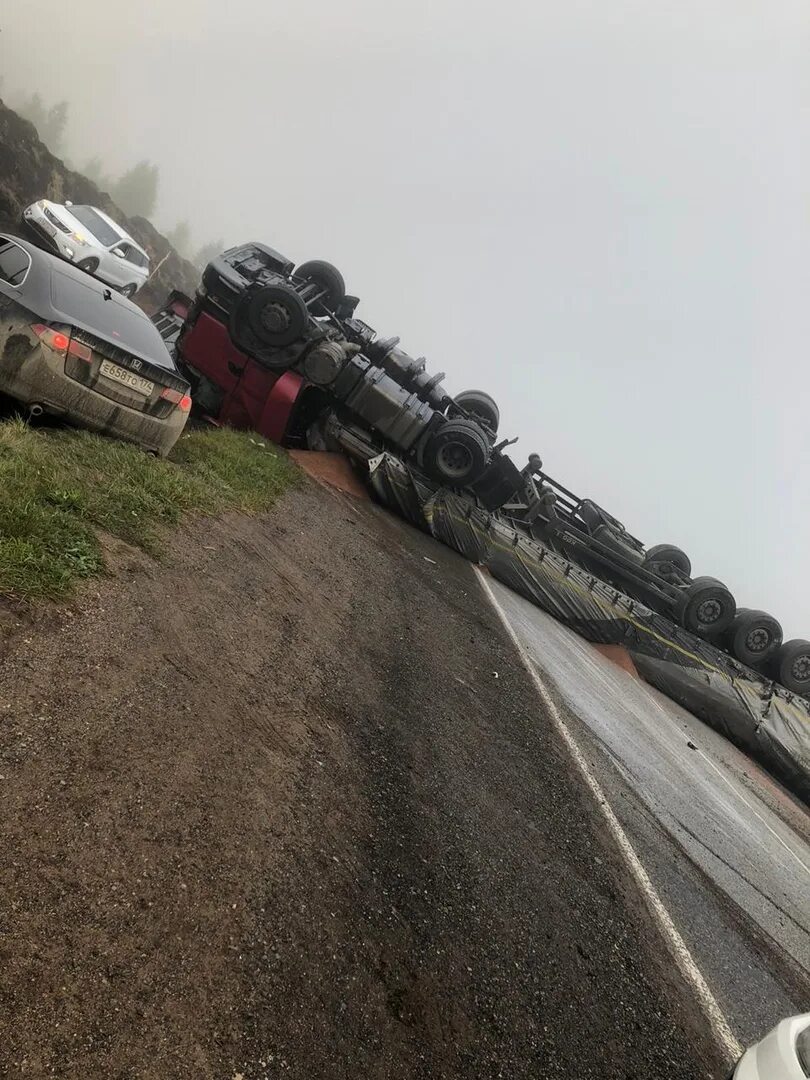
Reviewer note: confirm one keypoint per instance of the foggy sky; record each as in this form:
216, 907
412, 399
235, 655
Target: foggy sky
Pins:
598, 212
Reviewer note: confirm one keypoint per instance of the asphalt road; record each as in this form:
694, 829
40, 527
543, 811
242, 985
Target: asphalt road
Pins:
309, 819
724, 846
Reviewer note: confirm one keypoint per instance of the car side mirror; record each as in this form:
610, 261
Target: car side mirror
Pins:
68, 202
120, 254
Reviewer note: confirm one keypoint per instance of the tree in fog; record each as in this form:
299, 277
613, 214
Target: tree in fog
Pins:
180, 238
207, 253
50, 123
94, 170
52, 131
33, 109
136, 192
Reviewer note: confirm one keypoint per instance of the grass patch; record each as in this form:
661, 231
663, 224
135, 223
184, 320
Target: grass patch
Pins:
58, 487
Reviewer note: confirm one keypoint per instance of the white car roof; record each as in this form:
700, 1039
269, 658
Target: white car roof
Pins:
114, 225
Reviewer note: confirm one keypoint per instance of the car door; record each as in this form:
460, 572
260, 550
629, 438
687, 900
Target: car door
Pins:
116, 264
136, 266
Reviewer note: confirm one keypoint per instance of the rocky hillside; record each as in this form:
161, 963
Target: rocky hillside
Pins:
29, 171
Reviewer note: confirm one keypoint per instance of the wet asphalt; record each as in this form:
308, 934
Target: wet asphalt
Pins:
725, 846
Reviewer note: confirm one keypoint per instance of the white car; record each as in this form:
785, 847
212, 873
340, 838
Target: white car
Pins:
92, 241
784, 1053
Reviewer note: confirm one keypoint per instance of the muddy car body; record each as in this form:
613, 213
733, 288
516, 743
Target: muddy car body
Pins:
71, 347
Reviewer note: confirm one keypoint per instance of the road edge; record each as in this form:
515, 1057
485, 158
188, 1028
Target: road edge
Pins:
672, 937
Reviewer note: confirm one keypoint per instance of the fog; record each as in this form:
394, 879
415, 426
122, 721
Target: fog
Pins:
600, 213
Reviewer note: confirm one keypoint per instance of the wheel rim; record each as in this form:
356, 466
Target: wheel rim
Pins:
454, 460
800, 668
709, 611
275, 318
758, 640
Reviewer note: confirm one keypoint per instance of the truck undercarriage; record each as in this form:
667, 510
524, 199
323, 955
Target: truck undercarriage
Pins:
278, 349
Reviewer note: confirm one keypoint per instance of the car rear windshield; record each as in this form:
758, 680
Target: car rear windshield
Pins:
115, 320
96, 224
14, 263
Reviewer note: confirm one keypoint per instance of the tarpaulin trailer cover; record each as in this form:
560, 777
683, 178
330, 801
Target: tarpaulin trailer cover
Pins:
765, 719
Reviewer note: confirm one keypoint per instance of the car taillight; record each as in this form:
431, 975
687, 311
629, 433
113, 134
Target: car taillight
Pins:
83, 352
54, 339
176, 397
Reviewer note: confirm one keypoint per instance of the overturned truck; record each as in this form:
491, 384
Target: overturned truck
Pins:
278, 349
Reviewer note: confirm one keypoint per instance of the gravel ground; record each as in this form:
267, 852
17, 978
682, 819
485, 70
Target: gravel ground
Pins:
286, 804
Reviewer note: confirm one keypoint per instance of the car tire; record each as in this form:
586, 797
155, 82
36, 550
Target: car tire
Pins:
88, 265
481, 407
326, 277
457, 454
791, 666
668, 553
753, 637
706, 608
275, 314
129, 291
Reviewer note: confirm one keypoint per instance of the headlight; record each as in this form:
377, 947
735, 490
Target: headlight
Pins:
81, 240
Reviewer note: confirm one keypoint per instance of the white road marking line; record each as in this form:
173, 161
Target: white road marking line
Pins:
677, 946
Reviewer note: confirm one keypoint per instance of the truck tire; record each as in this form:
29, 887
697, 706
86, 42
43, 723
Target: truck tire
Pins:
457, 454
275, 314
706, 607
791, 666
326, 277
481, 407
754, 636
668, 553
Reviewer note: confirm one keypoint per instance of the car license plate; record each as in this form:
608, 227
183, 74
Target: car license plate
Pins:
127, 378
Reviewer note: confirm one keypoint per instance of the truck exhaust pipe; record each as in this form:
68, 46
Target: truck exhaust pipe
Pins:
35, 411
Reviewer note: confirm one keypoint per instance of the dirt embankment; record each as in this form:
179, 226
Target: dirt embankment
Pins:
29, 171
268, 811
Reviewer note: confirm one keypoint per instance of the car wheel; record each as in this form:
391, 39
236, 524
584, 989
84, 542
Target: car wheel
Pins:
706, 607
129, 291
754, 636
791, 666
88, 265
325, 276
275, 314
458, 453
481, 407
668, 553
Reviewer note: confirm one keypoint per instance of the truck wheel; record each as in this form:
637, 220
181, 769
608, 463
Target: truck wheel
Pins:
706, 607
481, 407
791, 666
754, 636
325, 276
668, 553
276, 314
458, 453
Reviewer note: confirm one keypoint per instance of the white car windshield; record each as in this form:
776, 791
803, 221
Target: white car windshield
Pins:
96, 225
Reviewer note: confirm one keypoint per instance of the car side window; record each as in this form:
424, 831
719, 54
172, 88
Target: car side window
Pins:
15, 263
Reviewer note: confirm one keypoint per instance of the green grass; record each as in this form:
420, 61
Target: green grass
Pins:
59, 488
